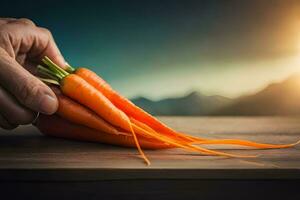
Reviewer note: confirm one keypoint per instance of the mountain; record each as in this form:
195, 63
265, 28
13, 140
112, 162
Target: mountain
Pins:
194, 103
276, 99
282, 98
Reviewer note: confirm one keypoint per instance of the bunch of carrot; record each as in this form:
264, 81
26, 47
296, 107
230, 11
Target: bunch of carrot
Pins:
89, 109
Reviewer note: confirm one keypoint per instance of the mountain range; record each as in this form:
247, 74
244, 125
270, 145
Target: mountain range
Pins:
282, 98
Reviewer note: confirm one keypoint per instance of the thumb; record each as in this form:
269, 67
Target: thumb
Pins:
27, 89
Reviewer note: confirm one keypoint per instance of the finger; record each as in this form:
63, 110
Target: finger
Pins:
12, 111
45, 46
5, 124
27, 89
32, 41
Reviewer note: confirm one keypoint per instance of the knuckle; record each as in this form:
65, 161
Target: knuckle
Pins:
24, 93
46, 31
26, 21
29, 93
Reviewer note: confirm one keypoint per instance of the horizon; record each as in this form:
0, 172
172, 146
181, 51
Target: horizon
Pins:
162, 49
189, 92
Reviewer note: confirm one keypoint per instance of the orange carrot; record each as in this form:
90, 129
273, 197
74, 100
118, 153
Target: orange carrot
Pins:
128, 107
98, 96
142, 117
78, 89
58, 127
74, 112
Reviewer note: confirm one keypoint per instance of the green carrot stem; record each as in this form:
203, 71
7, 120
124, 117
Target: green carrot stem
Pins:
49, 81
53, 68
49, 73
69, 69
51, 64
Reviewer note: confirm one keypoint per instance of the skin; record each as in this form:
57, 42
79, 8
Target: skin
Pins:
22, 95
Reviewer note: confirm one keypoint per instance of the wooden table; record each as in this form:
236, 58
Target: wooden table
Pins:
32, 165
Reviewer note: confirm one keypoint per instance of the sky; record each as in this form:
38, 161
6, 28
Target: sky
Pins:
169, 48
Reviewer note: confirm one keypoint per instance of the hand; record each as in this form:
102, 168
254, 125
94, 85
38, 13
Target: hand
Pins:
22, 95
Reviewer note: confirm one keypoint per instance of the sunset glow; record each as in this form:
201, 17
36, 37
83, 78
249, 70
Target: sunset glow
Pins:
164, 48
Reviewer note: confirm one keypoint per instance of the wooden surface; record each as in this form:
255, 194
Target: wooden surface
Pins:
33, 166
32, 156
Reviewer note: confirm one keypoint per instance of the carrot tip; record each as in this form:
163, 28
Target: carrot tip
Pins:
138, 145
296, 143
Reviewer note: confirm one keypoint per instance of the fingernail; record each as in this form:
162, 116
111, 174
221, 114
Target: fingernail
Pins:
48, 104
34, 122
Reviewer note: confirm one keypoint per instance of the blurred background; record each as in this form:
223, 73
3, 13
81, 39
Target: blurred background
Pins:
182, 57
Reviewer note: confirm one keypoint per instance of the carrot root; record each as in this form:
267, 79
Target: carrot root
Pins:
189, 146
247, 143
138, 145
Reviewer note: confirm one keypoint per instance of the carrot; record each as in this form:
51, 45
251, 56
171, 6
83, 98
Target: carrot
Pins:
128, 107
77, 113
56, 126
94, 93
78, 89
142, 117
75, 87
59, 127
74, 112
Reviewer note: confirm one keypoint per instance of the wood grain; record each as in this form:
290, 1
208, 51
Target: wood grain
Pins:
27, 155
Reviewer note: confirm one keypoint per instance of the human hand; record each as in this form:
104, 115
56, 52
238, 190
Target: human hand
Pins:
22, 95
